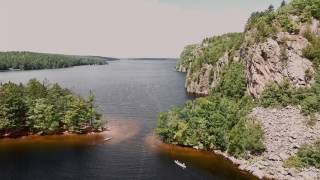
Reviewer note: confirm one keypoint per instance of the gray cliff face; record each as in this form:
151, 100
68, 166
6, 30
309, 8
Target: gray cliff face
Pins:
202, 81
276, 59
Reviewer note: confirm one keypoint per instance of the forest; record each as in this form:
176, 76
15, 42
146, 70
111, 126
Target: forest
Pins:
218, 121
221, 120
32, 61
43, 108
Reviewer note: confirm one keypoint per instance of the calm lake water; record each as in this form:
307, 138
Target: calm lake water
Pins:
129, 93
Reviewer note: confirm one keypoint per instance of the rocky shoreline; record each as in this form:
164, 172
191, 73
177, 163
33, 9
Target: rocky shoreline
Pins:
286, 130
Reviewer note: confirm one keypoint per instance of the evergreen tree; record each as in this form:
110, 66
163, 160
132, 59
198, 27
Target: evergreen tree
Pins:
270, 8
43, 108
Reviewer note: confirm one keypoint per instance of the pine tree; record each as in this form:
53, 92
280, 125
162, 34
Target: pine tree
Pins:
270, 8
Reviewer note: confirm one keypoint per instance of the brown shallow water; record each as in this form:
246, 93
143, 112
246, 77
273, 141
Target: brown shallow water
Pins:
119, 130
197, 158
130, 94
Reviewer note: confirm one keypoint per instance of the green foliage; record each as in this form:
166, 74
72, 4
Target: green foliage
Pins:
261, 25
266, 24
212, 49
312, 52
285, 94
30, 60
187, 55
233, 82
307, 156
246, 135
301, 6
215, 122
45, 109
41, 117
12, 107
277, 95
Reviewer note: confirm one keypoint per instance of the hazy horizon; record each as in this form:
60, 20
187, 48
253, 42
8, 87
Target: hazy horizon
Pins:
119, 28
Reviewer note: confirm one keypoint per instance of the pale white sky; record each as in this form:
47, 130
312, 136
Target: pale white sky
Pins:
119, 28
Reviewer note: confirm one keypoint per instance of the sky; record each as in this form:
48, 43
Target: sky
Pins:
119, 28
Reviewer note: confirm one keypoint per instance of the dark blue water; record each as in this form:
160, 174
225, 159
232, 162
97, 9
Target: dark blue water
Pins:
132, 91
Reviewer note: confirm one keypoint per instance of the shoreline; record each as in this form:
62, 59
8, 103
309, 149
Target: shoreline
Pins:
286, 130
118, 129
205, 159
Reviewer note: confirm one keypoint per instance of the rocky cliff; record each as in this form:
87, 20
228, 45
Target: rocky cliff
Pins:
273, 49
202, 81
277, 58
203, 71
273, 60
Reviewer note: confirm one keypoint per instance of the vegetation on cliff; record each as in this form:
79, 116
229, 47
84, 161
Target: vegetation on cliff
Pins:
287, 18
45, 109
30, 60
210, 50
219, 121
188, 55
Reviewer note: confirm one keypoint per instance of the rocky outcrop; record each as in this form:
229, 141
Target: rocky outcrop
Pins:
189, 54
285, 131
199, 82
202, 81
277, 58
314, 27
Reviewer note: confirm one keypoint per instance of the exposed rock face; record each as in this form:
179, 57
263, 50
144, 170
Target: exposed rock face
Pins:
184, 64
201, 82
314, 27
276, 59
181, 68
285, 131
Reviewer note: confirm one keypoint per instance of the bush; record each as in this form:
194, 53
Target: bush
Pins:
276, 95
312, 52
246, 136
307, 156
233, 82
217, 121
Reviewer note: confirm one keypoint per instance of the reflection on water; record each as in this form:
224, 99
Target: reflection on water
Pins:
130, 94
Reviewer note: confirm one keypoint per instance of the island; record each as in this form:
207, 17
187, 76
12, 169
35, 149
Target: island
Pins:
260, 94
45, 109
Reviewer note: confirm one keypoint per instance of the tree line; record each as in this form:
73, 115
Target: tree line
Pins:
32, 61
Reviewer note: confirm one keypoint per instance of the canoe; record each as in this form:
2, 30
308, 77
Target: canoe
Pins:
183, 165
108, 139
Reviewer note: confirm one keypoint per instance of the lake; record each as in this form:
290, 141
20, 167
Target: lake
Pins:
130, 94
